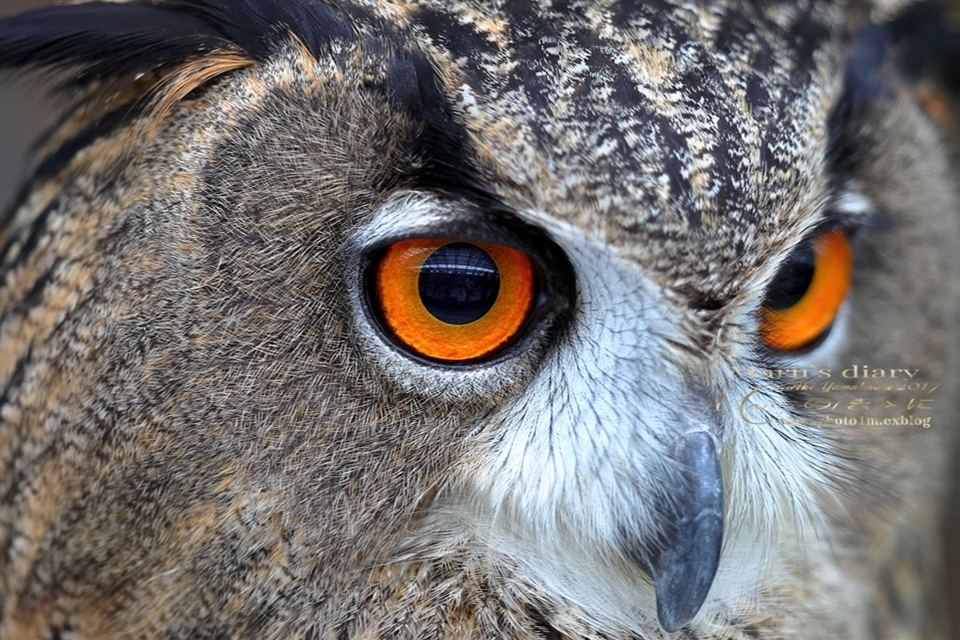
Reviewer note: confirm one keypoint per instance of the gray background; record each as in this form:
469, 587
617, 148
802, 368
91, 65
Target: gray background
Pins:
25, 110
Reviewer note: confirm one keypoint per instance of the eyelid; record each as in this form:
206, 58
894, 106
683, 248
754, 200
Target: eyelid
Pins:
461, 230
413, 217
436, 219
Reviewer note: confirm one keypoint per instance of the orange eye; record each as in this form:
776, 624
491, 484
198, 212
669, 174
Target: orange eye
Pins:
807, 293
454, 301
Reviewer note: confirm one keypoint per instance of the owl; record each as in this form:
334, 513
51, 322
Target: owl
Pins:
481, 319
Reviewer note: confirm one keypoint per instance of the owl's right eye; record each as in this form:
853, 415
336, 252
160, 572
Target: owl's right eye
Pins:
453, 301
806, 295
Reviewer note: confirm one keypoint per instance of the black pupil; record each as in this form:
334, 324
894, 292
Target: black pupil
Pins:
459, 283
793, 280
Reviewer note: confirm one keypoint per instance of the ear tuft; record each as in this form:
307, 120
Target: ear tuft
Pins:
104, 40
926, 39
120, 42
115, 39
139, 58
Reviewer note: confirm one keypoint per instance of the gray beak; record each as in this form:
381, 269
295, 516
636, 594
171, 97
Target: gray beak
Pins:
683, 562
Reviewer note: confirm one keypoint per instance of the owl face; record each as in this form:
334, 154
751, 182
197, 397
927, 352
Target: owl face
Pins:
407, 298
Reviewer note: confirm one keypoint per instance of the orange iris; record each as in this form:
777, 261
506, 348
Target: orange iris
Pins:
806, 320
410, 309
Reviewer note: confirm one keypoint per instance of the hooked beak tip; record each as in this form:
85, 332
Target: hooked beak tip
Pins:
685, 564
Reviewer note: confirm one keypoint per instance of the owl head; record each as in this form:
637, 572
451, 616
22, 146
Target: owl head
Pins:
479, 319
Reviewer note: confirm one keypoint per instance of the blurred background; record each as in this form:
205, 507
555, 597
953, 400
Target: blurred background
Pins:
24, 113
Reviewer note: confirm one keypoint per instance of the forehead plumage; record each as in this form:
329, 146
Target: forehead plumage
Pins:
665, 117
658, 125
652, 110
626, 85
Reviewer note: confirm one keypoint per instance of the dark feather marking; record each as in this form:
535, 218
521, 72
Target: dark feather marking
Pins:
444, 27
15, 474
35, 296
927, 43
914, 44
440, 149
947, 59
865, 80
25, 247
542, 626
102, 127
920, 37
16, 379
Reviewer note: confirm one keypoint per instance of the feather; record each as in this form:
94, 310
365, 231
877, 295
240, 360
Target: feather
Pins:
185, 43
258, 26
110, 40
104, 39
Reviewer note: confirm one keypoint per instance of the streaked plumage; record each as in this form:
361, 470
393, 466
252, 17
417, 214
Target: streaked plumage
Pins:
208, 430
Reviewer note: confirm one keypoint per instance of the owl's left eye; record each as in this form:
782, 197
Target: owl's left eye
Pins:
453, 301
806, 295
